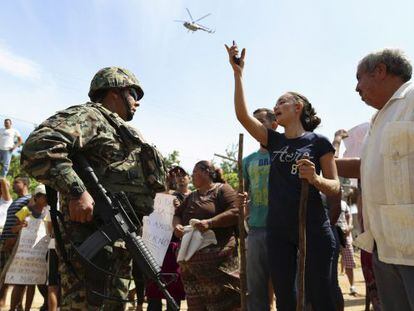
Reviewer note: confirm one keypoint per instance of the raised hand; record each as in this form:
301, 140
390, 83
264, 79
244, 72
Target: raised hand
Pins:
236, 62
341, 134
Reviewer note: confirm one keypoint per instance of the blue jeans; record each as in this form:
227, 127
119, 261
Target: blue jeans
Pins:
5, 158
258, 275
395, 284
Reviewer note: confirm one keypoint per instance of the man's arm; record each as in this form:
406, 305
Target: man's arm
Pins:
45, 156
349, 167
5, 189
19, 141
339, 136
334, 203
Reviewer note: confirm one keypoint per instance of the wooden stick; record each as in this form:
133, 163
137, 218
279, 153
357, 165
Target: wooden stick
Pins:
300, 305
242, 232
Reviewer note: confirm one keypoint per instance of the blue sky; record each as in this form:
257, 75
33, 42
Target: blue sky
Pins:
49, 51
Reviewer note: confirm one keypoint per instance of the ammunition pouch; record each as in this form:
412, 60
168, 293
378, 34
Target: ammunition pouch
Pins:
141, 174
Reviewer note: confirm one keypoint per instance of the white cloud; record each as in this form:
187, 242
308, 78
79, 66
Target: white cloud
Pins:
17, 65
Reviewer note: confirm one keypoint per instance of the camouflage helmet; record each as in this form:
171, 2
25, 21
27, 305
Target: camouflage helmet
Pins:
114, 77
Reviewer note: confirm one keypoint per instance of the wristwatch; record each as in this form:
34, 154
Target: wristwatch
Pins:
76, 190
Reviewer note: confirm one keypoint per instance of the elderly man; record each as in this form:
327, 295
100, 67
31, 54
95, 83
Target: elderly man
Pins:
386, 169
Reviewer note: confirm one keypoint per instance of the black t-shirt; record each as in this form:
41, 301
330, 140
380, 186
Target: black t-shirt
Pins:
285, 184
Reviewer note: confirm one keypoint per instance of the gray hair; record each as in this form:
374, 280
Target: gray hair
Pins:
394, 59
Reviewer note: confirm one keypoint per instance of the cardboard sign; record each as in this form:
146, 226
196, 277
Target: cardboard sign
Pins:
28, 265
157, 227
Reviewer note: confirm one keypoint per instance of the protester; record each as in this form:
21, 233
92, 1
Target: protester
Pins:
53, 278
122, 161
295, 113
366, 258
333, 204
5, 201
368, 269
210, 276
256, 177
347, 251
37, 207
386, 169
10, 139
8, 238
179, 181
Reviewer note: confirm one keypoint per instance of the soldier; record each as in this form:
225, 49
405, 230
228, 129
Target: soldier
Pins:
98, 130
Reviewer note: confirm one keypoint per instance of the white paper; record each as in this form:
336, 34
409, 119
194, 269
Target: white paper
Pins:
158, 228
193, 240
28, 266
4, 206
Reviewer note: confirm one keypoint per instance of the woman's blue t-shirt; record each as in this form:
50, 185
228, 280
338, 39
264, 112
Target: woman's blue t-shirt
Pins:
285, 184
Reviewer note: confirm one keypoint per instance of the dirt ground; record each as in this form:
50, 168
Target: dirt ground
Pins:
352, 303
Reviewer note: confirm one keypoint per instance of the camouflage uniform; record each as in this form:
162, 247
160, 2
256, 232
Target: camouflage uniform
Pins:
112, 148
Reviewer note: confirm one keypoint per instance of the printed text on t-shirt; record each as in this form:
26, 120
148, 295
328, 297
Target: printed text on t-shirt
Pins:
284, 156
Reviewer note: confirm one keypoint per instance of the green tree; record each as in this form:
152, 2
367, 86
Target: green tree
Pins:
15, 170
229, 167
172, 159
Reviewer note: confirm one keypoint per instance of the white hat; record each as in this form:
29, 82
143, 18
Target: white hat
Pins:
40, 189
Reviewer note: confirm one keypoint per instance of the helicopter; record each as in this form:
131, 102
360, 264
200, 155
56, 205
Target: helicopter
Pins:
193, 25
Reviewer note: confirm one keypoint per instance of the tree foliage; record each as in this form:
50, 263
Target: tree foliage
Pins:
15, 170
172, 159
229, 167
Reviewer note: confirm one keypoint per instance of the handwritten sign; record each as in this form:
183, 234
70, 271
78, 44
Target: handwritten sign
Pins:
157, 227
28, 266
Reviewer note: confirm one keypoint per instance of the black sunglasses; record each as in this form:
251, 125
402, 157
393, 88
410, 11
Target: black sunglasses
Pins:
133, 93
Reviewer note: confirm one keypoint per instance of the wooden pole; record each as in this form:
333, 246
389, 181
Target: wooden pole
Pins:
242, 232
300, 305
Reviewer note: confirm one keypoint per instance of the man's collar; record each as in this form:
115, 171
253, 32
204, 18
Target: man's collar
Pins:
401, 92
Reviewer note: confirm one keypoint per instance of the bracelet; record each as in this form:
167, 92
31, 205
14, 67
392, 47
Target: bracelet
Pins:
210, 223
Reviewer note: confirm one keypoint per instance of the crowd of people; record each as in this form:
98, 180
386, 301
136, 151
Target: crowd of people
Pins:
273, 175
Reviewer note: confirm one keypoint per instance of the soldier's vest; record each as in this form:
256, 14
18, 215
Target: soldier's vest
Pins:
141, 174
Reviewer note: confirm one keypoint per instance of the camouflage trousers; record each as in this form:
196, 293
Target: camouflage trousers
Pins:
79, 293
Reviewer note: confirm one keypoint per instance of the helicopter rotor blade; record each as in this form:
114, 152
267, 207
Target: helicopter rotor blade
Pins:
202, 17
178, 21
188, 11
202, 27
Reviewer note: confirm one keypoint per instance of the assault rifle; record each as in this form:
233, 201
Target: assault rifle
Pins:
114, 211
